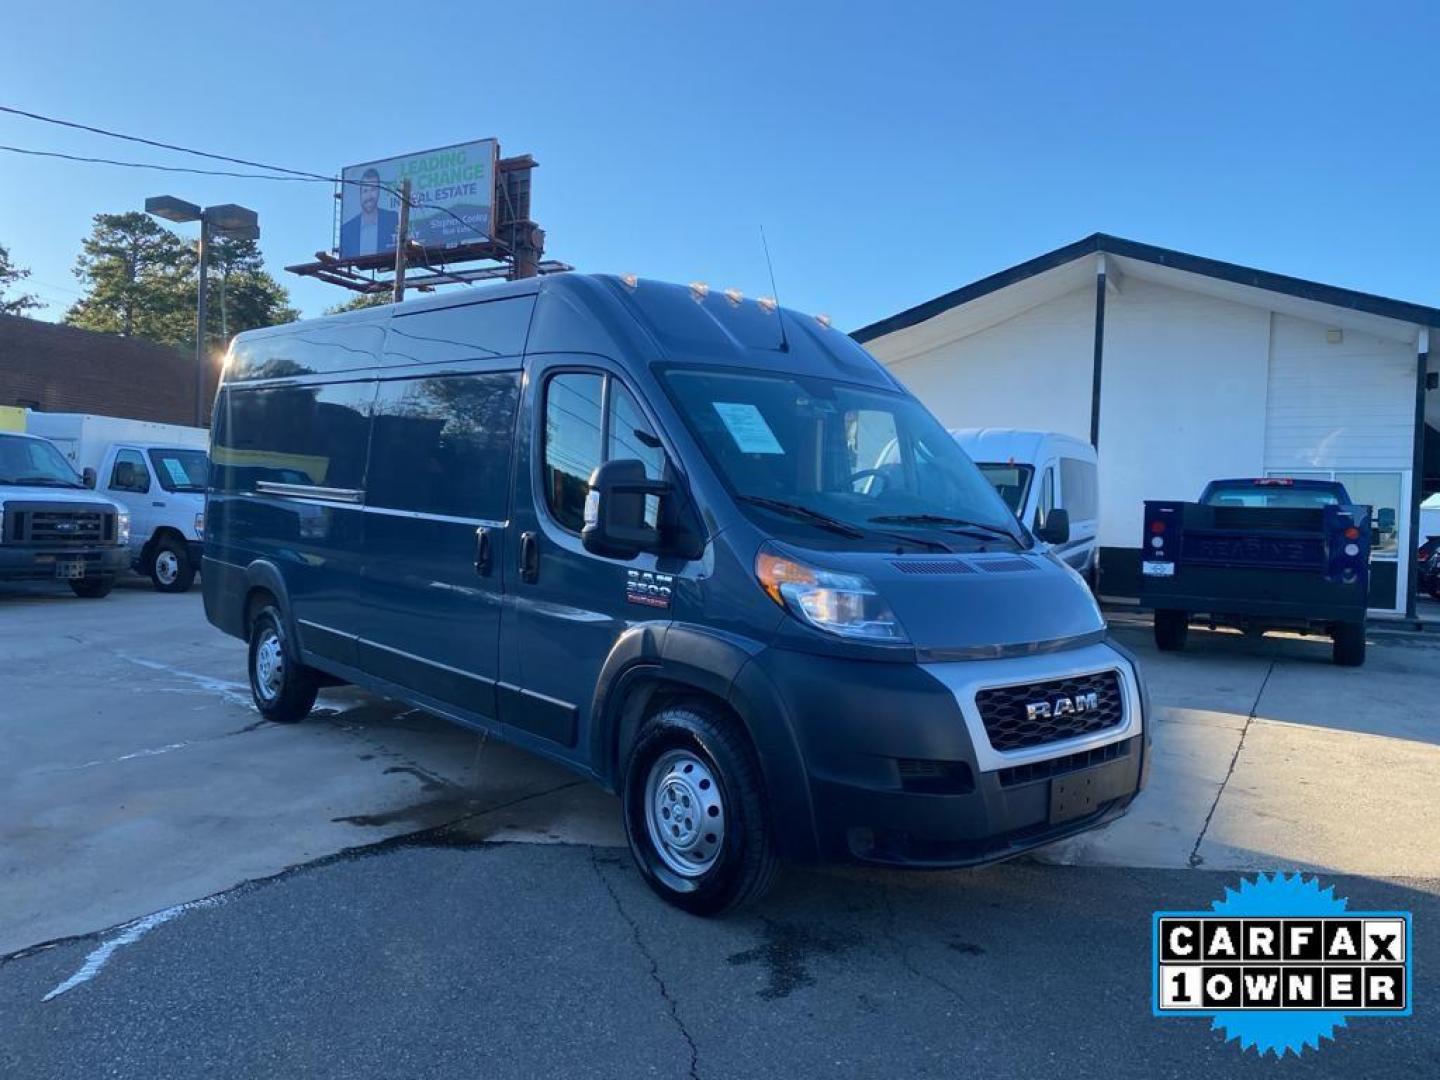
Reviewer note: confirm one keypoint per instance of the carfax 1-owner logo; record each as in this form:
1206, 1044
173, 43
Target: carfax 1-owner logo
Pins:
1280, 963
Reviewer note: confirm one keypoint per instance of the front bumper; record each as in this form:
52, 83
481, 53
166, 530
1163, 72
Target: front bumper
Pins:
24, 562
897, 774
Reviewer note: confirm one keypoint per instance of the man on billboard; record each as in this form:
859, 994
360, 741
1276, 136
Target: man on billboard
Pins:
373, 229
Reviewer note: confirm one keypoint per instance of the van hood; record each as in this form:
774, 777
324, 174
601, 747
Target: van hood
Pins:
971, 605
80, 496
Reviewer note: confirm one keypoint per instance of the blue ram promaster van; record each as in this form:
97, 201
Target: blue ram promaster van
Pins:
660, 534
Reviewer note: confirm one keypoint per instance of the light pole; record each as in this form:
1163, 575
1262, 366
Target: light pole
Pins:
228, 220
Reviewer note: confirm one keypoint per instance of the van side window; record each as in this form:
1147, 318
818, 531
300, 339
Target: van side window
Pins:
1079, 483
314, 350
469, 332
441, 445
129, 473
572, 443
317, 435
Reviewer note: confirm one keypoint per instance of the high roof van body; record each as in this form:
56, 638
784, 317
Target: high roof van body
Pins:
645, 530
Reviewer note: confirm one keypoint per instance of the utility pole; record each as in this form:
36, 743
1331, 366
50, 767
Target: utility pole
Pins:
401, 238
201, 307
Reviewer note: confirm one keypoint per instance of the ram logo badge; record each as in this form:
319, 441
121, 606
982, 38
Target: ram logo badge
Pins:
647, 588
1062, 706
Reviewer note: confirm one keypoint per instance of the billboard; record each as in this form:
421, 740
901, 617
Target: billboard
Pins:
459, 179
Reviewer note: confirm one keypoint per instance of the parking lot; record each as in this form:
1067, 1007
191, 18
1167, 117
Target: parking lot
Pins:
377, 892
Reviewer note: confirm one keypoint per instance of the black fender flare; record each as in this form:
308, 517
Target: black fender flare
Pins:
264, 574
651, 658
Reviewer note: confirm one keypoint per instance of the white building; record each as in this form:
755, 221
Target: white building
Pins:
1182, 369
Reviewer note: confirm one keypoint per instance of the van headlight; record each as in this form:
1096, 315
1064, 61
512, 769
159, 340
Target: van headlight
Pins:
843, 604
122, 527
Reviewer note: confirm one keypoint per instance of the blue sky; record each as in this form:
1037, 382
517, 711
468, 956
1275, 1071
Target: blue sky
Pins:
891, 151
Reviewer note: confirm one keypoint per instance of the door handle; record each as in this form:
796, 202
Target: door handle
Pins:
529, 557
482, 551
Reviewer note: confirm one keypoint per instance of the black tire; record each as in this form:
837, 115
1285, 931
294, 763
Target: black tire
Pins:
283, 689
171, 570
1347, 644
92, 588
742, 859
1171, 630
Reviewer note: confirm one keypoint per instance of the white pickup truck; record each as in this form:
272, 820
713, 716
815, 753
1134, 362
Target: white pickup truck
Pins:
52, 527
156, 471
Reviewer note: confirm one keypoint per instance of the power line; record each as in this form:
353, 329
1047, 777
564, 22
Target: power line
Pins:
292, 174
161, 168
161, 145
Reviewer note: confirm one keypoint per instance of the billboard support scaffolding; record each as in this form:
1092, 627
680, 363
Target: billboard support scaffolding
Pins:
441, 210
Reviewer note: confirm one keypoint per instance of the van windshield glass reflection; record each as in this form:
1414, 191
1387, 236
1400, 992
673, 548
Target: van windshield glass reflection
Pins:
839, 460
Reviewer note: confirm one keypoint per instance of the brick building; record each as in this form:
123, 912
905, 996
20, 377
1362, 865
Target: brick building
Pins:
57, 368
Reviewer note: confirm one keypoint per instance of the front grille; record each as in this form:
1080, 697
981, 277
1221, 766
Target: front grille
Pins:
1012, 725
1044, 770
57, 525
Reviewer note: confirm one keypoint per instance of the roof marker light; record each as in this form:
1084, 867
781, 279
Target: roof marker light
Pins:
630, 280
767, 304
823, 320
699, 290
734, 296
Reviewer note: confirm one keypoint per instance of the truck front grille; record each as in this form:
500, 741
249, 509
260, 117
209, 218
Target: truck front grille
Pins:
1033, 714
52, 525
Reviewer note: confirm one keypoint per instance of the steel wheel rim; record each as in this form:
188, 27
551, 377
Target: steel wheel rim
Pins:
167, 567
684, 813
269, 665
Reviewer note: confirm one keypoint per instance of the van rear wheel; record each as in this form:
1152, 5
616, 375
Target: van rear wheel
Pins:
283, 689
1347, 644
1171, 630
695, 813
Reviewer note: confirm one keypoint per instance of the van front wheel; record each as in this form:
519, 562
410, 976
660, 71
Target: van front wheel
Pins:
170, 567
283, 688
695, 813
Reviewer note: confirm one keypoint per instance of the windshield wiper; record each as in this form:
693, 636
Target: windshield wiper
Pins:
952, 524
844, 528
825, 521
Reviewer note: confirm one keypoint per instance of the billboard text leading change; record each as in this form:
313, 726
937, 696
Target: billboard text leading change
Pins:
458, 179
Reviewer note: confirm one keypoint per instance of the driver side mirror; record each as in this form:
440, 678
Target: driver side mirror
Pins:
615, 524
1055, 529
87, 477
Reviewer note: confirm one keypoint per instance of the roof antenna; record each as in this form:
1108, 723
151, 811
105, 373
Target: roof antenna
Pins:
779, 313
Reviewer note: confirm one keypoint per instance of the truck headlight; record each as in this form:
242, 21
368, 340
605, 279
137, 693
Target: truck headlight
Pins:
122, 527
843, 604
200, 526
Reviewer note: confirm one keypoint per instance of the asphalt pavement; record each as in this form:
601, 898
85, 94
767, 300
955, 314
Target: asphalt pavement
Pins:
439, 957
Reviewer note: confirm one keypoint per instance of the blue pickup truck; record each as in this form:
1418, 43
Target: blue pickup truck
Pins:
1267, 553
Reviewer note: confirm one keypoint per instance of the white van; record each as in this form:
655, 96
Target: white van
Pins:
1038, 471
156, 471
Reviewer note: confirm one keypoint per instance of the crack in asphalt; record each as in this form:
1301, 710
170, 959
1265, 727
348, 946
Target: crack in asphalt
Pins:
655, 975
902, 951
1196, 859
436, 833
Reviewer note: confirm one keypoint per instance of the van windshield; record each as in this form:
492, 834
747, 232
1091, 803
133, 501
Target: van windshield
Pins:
830, 457
181, 470
1012, 482
34, 463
